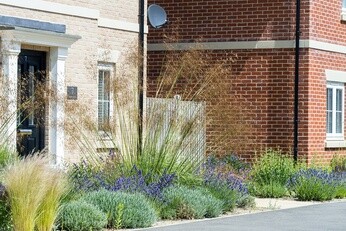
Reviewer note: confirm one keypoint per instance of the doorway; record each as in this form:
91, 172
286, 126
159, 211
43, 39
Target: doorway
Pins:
31, 102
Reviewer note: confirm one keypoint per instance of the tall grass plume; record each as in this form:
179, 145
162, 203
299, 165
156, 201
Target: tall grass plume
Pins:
34, 190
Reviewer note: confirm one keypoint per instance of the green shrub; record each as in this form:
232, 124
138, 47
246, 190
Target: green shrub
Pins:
136, 213
271, 190
270, 173
340, 191
81, 216
185, 203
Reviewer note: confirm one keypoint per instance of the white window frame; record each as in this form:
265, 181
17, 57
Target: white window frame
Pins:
333, 135
106, 67
343, 10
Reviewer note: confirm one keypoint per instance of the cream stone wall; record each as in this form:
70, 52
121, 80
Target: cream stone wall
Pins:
113, 9
107, 26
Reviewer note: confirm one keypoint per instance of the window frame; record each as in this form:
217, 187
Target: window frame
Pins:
105, 67
335, 86
343, 10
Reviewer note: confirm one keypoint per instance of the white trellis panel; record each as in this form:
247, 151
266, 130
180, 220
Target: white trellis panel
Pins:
173, 117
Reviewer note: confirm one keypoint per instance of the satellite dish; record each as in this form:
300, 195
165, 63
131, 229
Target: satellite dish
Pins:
157, 16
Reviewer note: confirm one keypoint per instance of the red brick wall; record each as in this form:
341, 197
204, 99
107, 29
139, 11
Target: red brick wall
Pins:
225, 20
326, 24
265, 78
319, 61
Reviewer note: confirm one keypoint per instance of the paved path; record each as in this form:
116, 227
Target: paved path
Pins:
323, 217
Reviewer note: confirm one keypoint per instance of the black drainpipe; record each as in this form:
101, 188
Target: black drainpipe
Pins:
141, 74
296, 83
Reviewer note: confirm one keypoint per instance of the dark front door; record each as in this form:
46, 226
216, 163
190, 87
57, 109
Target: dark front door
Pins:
31, 101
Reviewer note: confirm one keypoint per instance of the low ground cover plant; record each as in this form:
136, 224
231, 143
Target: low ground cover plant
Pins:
181, 202
81, 216
137, 211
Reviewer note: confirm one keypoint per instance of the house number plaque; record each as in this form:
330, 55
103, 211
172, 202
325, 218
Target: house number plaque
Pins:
72, 92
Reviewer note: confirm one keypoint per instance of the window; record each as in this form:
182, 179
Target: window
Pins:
104, 109
335, 111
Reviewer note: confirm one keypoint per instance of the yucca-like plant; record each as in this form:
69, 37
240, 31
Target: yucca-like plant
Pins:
34, 191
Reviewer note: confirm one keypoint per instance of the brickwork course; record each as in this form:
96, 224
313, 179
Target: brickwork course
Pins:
260, 36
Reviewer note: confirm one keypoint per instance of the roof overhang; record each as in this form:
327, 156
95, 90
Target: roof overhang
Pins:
37, 37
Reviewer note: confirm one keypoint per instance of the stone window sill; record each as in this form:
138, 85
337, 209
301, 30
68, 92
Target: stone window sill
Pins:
335, 144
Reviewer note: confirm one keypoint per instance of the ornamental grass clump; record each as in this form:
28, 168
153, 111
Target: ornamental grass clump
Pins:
34, 191
186, 98
313, 184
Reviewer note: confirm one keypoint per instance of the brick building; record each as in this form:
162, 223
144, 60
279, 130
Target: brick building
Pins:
262, 35
72, 46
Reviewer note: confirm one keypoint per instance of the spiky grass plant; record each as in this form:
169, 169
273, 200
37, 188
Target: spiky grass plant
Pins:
188, 97
34, 190
50, 205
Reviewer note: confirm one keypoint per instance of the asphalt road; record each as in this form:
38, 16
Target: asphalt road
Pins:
320, 217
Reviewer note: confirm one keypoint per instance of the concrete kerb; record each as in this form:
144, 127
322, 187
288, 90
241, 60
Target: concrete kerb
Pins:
262, 205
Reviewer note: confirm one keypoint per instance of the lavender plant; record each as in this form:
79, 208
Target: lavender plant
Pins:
226, 182
313, 184
138, 182
151, 185
216, 174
